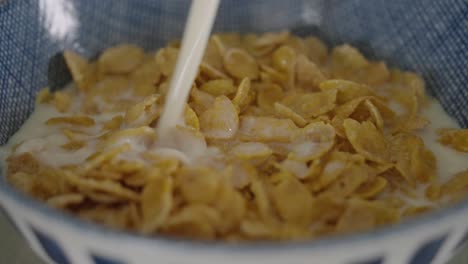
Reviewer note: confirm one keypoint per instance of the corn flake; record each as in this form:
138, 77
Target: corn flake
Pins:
156, 203
84, 121
239, 64
367, 140
192, 180
312, 141
218, 87
254, 128
292, 201
221, 120
120, 59
454, 138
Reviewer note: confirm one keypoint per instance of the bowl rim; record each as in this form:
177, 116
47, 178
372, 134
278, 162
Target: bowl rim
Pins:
73, 222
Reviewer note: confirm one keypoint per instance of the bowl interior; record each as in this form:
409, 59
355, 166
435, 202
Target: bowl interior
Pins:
425, 36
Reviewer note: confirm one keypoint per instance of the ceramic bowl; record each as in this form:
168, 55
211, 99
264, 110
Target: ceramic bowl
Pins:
426, 36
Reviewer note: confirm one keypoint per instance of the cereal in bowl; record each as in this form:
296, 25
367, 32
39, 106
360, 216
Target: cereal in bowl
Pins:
281, 139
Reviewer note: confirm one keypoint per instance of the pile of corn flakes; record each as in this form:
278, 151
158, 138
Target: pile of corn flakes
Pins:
282, 139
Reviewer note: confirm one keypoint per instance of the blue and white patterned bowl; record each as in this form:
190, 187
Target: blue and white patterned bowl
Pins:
430, 37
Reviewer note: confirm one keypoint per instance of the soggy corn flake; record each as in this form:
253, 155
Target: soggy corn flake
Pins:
312, 141
279, 140
221, 120
266, 129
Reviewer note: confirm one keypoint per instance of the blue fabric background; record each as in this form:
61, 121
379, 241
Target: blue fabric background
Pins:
428, 36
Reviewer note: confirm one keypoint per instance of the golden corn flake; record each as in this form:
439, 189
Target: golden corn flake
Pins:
191, 118
166, 60
372, 187
367, 140
106, 186
239, 64
317, 51
296, 167
120, 59
65, 200
113, 123
456, 188
292, 200
219, 87
268, 41
144, 112
74, 145
201, 100
145, 78
312, 141
242, 174
345, 60
192, 180
211, 72
364, 215
84, 121
221, 120
120, 216
124, 136
308, 75
251, 151
270, 75
110, 86
44, 96
261, 199
333, 168
62, 101
214, 52
242, 95
231, 205
454, 138
286, 112
265, 129
79, 68
353, 176
412, 159
156, 203
284, 58
311, 104
194, 221
268, 95
347, 90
